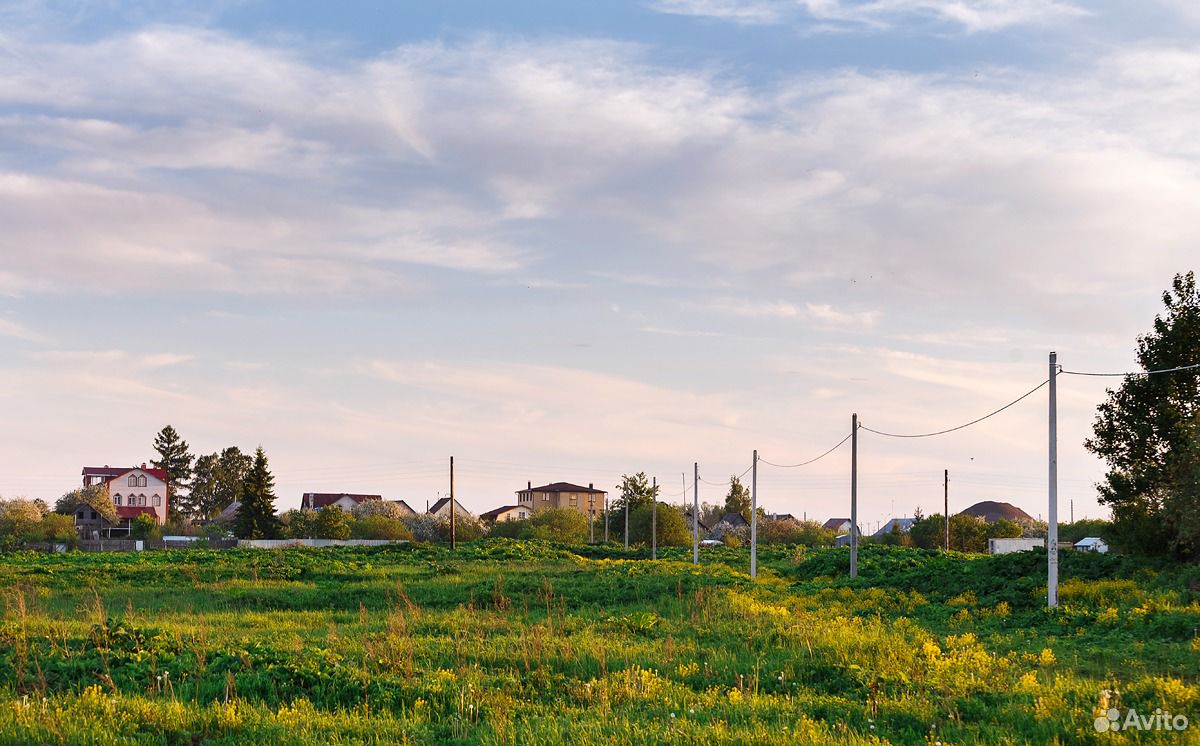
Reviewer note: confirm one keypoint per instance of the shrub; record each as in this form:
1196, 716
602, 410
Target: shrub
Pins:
59, 528
792, 531
518, 529
672, 527
379, 527
329, 523
558, 524
143, 527
20, 521
384, 508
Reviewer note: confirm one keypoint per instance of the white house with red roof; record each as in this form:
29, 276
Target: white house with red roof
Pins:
344, 500
135, 491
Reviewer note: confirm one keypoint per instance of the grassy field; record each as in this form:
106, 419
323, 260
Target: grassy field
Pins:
511, 642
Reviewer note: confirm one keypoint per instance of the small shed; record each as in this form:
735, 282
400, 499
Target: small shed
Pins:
1092, 544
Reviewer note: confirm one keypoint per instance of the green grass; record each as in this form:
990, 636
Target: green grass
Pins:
526, 642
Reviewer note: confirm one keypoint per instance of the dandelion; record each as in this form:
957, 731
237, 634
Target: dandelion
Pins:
691, 711
672, 716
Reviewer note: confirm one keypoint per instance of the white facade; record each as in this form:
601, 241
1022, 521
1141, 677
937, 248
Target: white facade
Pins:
1092, 544
138, 488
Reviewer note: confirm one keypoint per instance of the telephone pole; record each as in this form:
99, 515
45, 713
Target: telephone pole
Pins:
946, 509
696, 515
654, 520
453, 541
754, 516
1052, 518
854, 495
605, 519
626, 499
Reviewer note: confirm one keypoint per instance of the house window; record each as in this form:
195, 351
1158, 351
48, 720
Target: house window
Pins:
546, 497
141, 499
574, 499
157, 501
132, 481
93, 514
142, 481
521, 514
117, 499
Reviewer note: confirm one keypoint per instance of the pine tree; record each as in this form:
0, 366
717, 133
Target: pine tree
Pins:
175, 459
1144, 429
256, 515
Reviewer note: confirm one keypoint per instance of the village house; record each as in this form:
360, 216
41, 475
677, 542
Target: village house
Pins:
837, 525
342, 500
134, 491
587, 500
505, 513
441, 509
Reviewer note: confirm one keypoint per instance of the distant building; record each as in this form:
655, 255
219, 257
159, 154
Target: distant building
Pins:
404, 508
1008, 546
903, 524
587, 500
441, 509
843, 540
838, 525
729, 522
1092, 544
343, 500
778, 517
991, 511
137, 490
505, 513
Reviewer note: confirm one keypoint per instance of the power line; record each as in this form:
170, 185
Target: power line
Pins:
960, 427
1126, 375
811, 460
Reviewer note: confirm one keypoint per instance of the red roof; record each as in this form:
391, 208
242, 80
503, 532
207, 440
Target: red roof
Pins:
126, 511
318, 500
110, 472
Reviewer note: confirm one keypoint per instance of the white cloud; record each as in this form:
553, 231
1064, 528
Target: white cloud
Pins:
839, 15
16, 330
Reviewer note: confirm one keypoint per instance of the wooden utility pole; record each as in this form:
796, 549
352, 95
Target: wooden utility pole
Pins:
754, 516
854, 495
1052, 519
696, 515
946, 508
626, 499
453, 538
654, 521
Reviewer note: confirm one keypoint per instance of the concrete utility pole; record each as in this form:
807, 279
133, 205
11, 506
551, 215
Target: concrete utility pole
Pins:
854, 495
696, 515
592, 518
654, 520
1052, 519
453, 539
946, 509
754, 515
605, 498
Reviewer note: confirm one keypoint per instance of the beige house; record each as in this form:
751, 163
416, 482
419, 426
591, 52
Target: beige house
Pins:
587, 500
505, 513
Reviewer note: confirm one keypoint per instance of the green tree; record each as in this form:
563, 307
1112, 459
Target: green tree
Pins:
636, 491
1181, 505
378, 526
93, 497
673, 530
1143, 431
256, 515
175, 458
20, 521
562, 524
217, 481
142, 527
59, 528
737, 500
330, 522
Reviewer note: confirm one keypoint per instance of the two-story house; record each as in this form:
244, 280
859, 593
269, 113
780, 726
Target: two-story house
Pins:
587, 500
134, 491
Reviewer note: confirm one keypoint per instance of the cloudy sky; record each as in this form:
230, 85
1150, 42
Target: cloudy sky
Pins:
567, 240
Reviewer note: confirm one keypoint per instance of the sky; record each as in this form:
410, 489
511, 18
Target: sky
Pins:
566, 241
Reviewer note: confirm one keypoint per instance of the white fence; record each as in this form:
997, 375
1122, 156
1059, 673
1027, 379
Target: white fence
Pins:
276, 543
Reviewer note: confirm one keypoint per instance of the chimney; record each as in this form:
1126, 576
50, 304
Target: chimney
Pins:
143, 464
529, 485
590, 487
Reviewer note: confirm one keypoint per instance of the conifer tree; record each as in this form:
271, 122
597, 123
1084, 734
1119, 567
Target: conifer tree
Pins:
256, 515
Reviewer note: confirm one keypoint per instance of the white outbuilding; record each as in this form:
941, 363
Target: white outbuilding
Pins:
1092, 544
